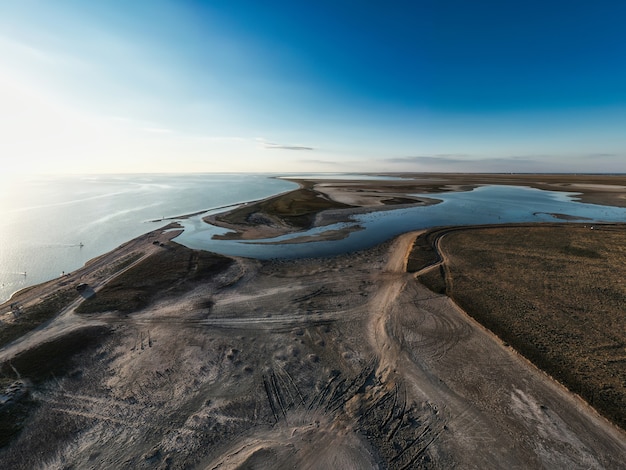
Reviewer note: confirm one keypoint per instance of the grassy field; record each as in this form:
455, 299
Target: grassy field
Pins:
556, 294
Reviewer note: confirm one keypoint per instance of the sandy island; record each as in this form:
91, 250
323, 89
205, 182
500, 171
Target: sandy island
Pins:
344, 362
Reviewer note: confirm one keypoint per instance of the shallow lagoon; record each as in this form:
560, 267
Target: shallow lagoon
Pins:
484, 205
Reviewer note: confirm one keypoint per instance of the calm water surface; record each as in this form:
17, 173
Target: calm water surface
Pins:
44, 221
484, 205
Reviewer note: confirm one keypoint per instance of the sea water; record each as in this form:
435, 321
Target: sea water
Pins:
51, 225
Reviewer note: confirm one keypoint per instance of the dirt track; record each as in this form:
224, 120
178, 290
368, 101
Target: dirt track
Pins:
485, 395
336, 363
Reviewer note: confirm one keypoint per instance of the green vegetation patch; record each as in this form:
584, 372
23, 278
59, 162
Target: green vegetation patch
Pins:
296, 208
171, 271
556, 294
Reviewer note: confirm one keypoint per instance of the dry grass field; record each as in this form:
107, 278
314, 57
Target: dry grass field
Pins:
555, 293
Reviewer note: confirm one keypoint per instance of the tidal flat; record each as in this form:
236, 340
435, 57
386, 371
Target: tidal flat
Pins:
386, 357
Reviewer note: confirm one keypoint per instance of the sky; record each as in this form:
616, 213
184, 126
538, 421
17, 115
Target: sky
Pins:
312, 86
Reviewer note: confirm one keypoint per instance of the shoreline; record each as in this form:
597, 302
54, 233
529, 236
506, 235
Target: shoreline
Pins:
594, 189
373, 195
32, 294
291, 358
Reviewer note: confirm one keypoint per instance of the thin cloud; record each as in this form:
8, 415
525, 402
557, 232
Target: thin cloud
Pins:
452, 155
270, 145
603, 155
36, 53
450, 162
320, 162
275, 146
529, 163
423, 159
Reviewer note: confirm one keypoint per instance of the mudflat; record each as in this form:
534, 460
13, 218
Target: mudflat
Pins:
343, 362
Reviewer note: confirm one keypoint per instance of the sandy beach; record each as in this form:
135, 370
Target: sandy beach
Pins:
342, 362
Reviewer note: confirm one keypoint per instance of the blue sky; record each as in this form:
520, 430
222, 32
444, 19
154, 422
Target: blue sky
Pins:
281, 86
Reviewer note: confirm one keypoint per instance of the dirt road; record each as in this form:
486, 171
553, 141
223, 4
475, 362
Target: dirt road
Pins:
486, 396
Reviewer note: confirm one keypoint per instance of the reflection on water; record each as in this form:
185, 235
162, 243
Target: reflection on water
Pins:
483, 205
43, 220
